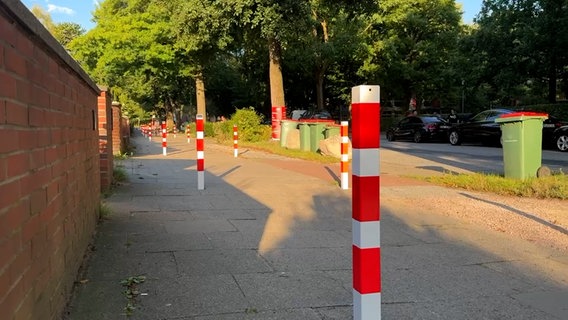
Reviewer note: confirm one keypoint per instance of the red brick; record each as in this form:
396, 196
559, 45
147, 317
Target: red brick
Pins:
38, 201
16, 114
23, 91
27, 139
13, 218
9, 141
15, 62
13, 298
26, 308
8, 87
37, 159
8, 32
17, 164
1, 56
30, 228
3, 173
40, 97
35, 74
4, 283
9, 248
53, 190
21, 263
37, 117
10, 192
25, 46
51, 154
40, 256
2, 111
35, 181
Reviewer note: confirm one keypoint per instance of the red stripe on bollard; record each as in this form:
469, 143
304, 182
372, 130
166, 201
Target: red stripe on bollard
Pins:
200, 146
188, 135
365, 115
236, 140
164, 139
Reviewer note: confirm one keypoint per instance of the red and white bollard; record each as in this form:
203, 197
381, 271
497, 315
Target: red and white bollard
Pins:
164, 139
187, 133
149, 134
200, 152
365, 131
175, 131
235, 141
344, 155
143, 129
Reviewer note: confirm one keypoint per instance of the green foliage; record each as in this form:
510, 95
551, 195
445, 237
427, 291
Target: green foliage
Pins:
552, 187
209, 129
104, 211
131, 292
249, 126
410, 46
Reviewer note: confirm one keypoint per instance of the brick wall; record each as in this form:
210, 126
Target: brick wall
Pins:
49, 167
105, 138
117, 147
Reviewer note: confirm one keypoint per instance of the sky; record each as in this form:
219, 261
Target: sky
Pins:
80, 11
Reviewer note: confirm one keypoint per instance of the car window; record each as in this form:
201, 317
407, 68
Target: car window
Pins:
431, 119
493, 115
415, 120
480, 116
404, 121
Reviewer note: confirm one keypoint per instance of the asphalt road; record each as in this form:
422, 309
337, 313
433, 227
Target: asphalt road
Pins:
470, 157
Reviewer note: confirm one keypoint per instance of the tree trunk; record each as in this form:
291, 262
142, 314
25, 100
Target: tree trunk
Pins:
200, 91
275, 71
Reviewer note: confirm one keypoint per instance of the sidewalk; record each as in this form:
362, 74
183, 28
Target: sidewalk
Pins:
270, 238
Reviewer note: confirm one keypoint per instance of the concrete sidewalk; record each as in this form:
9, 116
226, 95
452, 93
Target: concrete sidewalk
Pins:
270, 238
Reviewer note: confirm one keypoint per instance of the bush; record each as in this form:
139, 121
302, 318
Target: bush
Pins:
249, 127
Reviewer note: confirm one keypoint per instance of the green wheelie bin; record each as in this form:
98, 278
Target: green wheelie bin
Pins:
521, 137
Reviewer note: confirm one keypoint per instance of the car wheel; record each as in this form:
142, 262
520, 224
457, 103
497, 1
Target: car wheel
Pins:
390, 136
417, 136
454, 138
562, 142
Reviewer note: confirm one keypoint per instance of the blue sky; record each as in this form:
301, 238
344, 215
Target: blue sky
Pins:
80, 11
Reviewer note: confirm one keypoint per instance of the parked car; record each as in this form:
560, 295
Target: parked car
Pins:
482, 128
418, 129
549, 127
479, 128
560, 138
312, 114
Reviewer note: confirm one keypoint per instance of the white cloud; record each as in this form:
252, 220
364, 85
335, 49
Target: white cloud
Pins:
58, 9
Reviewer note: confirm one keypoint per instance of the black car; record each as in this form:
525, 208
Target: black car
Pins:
418, 129
312, 114
483, 128
560, 138
479, 128
550, 125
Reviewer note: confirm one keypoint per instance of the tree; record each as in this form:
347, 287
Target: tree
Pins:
411, 45
523, 43
63, 32
131, 49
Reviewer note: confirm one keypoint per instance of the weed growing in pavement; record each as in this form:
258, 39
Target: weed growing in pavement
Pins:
554, 186
131, 292
104, 211
119, 175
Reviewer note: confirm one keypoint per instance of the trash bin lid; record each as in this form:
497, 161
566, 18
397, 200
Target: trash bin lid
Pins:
521, 115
